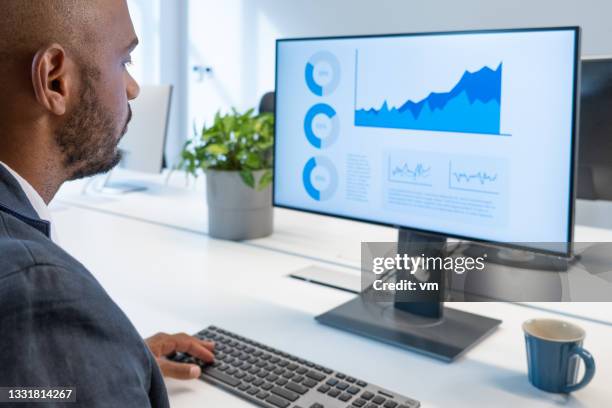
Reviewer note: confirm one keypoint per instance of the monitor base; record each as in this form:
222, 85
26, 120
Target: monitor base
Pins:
445, 339
120, 188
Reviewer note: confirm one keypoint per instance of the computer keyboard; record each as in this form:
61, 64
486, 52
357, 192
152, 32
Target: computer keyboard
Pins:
273, 379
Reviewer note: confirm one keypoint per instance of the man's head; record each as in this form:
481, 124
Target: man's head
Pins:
65, 84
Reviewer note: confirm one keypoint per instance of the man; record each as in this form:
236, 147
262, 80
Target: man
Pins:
63, 109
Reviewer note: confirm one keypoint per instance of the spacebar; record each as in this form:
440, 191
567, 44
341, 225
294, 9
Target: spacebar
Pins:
221, 376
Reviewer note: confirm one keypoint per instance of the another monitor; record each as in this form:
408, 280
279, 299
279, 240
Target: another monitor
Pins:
465, 134
595, 152
143, 144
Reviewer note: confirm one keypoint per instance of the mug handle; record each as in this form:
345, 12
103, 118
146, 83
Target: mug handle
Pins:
589, 369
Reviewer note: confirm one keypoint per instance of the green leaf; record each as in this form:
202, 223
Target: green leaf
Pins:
216, 149
252, 161
248, 178
265, 180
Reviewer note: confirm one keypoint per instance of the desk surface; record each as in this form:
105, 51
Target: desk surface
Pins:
172, 202
176, 280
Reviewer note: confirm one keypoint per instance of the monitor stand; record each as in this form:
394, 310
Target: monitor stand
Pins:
422, 324
120, 187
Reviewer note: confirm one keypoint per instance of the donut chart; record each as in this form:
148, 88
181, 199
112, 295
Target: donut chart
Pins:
322, 73
320, 178
321, 126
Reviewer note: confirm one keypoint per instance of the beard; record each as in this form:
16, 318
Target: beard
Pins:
89, 138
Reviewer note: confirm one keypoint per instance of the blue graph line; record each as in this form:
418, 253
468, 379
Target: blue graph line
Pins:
481, 176
473, 105
406, 171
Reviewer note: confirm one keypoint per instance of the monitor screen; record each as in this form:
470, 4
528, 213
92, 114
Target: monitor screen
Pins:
595, 152
466, 134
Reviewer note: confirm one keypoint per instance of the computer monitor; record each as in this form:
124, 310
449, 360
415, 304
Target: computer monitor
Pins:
457, 134
595, 152
143, 145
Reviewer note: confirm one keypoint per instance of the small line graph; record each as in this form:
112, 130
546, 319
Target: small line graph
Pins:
470, 178
482, 177
401, 171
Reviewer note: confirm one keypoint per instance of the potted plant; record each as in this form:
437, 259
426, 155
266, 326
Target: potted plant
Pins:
235, 153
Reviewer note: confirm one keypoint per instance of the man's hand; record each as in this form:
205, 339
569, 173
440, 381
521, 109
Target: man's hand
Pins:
162, 345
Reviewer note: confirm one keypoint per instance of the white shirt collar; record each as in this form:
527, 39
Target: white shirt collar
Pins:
35, 200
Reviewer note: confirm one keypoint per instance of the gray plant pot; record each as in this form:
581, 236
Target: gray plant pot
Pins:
236, 211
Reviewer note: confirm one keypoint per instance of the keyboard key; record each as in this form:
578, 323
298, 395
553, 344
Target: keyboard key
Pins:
258, 382
340, 376
342, 386
367, 395
277, 401
296, 388
362, 383
262, 395
378, 399
244, 387
298, 379
331, 381
301, 370
266, 386
333, 393
359, 402
309, 383
252, 391
317, 405
345, 397
221, 376
354, 391
350, 379
290, 395
272, 378
281, 381
324, 388
390, 404
315, 375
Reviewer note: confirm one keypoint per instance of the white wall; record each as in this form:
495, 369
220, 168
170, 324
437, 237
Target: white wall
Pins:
236, 37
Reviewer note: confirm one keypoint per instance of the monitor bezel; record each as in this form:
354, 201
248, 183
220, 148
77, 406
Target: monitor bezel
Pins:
574, 137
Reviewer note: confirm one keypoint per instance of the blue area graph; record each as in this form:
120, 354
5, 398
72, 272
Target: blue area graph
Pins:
473, 105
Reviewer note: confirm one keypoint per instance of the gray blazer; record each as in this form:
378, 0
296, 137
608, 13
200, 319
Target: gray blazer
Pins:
58, 327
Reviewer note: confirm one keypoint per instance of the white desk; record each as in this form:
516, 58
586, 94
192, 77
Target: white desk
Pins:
175, 280
334, 242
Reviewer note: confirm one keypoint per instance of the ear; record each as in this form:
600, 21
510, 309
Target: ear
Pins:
51, 78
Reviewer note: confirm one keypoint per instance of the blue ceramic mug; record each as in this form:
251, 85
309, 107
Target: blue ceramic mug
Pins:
554, 351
